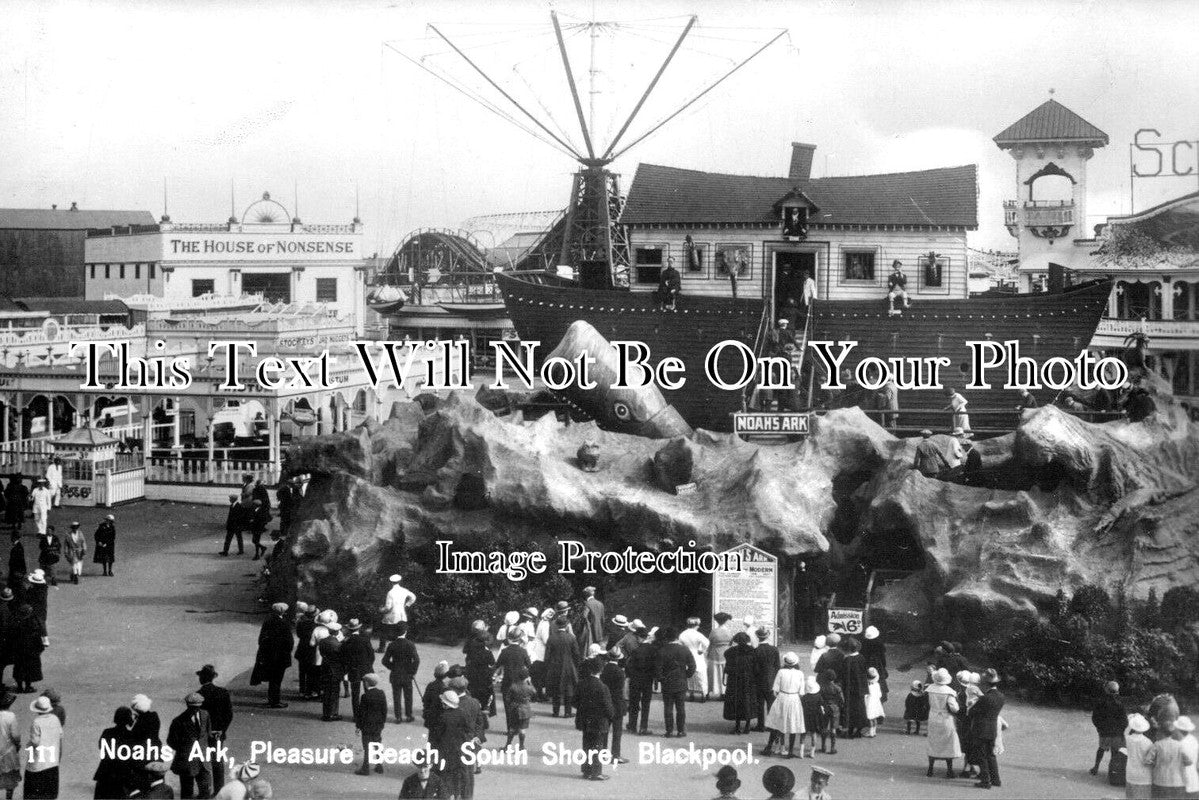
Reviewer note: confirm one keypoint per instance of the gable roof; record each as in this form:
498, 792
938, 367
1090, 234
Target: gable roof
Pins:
66, 220
1051, 122
666, 195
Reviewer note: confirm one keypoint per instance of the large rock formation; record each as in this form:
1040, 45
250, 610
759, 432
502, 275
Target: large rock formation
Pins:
1065, 502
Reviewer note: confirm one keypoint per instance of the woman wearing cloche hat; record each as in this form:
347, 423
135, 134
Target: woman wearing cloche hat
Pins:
1138, 775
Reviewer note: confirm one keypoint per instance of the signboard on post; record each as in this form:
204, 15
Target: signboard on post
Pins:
845, 621
751, 591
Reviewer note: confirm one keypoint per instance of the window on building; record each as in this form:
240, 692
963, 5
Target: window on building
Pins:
137, 271
649, 261
859, 265
326, 290
93, 272
107, 268
151, 272
201, 286
932, 271
121, 272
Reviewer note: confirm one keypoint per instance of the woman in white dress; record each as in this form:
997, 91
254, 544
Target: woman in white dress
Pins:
786, 712
536, 648
719, 641
943, 744
697, 643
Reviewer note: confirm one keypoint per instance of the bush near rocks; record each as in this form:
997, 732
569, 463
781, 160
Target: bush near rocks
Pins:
1086, 640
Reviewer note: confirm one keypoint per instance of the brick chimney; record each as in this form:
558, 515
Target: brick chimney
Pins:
75, 206
801, 161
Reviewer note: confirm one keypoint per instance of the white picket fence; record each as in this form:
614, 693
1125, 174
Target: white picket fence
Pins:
120, 487
220, 470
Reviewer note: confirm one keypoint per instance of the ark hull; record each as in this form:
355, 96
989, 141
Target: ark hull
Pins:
1046, 325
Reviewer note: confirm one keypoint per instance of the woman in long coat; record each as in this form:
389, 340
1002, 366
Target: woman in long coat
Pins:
562, 665
480, 667
16, 501
28, 641
10, 746
786, 715
106, 545
853, 683
114, 776
943, 741
740, 682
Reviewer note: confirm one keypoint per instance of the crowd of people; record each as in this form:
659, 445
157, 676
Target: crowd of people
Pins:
135, 757
1153, 751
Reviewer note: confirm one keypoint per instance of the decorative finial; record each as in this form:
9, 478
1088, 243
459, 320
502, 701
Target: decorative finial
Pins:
1051, 90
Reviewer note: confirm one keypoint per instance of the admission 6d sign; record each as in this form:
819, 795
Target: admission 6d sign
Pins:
751, 591
846, 621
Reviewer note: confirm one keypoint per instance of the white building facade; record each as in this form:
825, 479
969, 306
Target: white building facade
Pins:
266, 252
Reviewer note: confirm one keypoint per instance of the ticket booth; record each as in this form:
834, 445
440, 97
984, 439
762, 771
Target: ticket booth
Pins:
84, 451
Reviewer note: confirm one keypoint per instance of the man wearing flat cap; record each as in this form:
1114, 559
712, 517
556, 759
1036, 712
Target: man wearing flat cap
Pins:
274, 654
983, 719
188, 736
219, 706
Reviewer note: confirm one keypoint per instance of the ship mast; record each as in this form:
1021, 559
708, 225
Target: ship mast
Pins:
594, 243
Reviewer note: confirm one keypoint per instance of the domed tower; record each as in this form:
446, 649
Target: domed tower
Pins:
1051, 146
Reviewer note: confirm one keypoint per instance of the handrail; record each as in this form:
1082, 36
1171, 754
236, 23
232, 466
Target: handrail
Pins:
759, 344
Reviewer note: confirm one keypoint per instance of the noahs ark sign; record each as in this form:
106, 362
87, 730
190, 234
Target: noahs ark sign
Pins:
747, 424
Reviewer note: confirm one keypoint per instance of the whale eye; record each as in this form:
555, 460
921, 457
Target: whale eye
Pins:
622, 411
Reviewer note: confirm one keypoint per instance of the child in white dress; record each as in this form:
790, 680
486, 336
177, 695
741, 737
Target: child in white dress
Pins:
874, 701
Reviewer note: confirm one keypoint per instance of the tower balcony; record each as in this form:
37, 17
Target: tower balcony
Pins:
1045, 219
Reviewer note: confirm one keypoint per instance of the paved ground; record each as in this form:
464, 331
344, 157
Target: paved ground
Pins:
174, 605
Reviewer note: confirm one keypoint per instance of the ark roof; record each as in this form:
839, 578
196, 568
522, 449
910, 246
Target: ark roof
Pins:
934, 197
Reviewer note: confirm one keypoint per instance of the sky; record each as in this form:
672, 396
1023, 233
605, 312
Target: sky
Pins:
104, 103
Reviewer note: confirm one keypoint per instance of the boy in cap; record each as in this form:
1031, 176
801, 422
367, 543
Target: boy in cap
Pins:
817, 783
370, 719
154, 783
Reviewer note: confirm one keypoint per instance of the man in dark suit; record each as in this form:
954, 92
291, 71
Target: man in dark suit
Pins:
274, 655
189, 735
306, 653
641, 668
593, 714
358, 658
422, 784
614, 678
673, 666
331, 672
235, 523
219, 706
766, 658
370, 718
402, 660
984, 727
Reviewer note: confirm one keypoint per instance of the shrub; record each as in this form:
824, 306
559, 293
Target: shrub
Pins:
1085, 642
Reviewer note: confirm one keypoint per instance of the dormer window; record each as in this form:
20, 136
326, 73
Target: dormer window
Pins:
795, 222
794, 209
